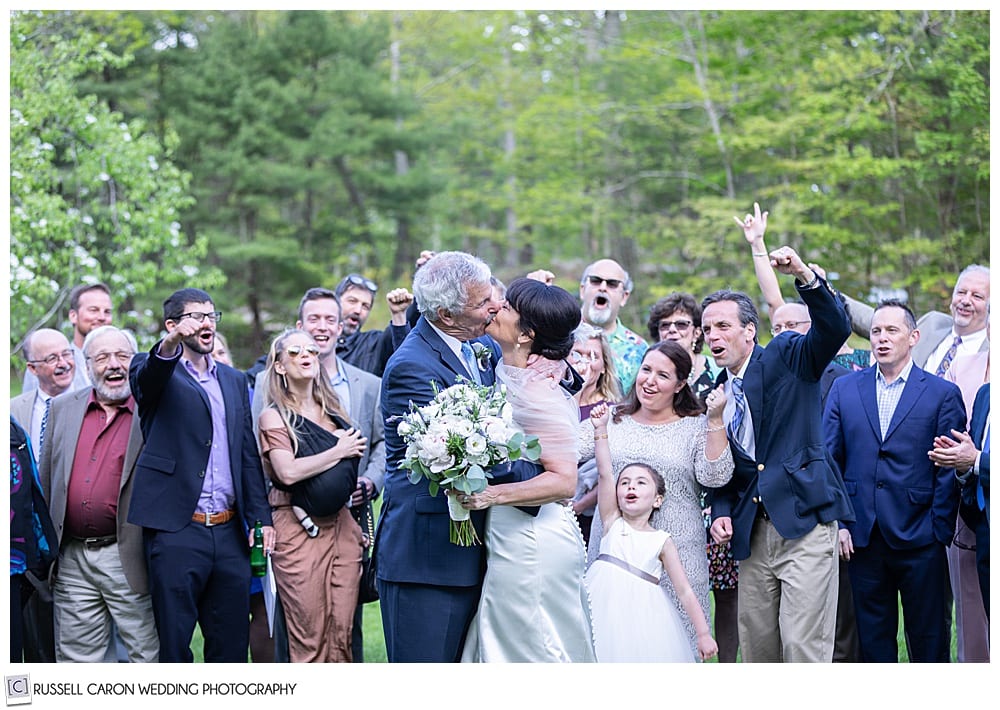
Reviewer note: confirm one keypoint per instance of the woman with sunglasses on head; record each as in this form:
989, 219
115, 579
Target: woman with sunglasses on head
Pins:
311, 453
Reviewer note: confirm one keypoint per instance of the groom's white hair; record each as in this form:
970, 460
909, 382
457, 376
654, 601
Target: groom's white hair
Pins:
443, 282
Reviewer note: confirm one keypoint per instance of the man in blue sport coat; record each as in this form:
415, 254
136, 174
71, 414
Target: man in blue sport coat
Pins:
198, 486
879, 424
781, 508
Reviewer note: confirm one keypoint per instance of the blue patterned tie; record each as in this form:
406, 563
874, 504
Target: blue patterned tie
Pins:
948, 357
45, 423
737, 425
470, 363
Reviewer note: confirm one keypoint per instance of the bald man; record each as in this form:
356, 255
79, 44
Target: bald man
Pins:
604, 288
50, 361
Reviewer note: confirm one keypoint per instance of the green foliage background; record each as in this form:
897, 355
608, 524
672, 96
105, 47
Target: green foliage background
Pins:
257, 153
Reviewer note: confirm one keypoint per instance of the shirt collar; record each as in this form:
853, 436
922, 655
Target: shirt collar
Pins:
450, 340
128, 404
972, 340
904, 374
189, 366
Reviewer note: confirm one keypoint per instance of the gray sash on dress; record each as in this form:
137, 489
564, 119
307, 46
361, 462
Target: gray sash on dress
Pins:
641, 574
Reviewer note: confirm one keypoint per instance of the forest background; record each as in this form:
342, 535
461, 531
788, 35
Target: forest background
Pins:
258, 153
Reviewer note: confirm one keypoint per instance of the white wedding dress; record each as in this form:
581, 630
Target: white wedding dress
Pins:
534, 605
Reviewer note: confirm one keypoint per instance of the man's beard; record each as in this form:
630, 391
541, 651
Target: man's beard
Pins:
110, 393
599, 317
194, 343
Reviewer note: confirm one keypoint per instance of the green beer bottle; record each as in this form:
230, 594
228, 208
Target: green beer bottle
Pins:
258, 563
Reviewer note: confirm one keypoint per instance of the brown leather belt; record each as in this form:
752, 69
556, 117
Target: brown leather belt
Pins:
210, 519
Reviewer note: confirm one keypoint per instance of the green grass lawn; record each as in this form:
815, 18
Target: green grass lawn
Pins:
375, 642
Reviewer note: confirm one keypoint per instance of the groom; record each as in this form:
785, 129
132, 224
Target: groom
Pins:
428, 587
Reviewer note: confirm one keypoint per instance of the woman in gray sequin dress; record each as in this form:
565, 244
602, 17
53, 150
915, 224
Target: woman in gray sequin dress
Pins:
661, 423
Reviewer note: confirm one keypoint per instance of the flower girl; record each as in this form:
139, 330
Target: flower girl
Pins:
633, 619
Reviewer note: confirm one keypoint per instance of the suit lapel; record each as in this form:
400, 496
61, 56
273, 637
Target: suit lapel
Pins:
135, 443
65, 437
869, 400
753, 390
445, 353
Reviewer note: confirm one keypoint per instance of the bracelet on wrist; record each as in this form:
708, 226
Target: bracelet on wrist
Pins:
812, 282
715, 428
758, 253
601, 436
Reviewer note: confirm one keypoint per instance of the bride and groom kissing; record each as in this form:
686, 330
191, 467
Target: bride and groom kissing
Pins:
520, 596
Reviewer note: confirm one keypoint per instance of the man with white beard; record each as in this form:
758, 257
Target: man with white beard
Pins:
604, 289
85, 468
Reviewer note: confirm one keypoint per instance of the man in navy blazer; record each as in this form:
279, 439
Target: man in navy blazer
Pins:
905, 505
781, 508
429, 587
198, 486
969, 454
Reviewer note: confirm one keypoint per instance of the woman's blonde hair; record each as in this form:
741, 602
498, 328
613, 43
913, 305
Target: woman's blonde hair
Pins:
607, 381
278, 396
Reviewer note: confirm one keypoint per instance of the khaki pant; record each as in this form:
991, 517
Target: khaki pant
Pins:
788, 596
90, 591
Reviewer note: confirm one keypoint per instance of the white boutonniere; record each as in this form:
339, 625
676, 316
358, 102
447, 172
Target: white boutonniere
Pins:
483, 356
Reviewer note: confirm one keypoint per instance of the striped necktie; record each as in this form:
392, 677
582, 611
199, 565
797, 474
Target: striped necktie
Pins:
948, 357
737, 425
45, 423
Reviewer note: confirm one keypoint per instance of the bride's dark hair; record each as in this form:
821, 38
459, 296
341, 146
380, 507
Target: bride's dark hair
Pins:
549, 313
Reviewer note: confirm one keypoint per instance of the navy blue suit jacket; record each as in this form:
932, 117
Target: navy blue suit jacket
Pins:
977, 429
792, 472
176, 423
891, 480
412, 538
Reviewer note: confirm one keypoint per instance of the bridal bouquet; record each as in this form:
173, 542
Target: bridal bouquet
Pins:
455, 441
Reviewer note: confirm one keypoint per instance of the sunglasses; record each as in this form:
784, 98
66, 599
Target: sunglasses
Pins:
680, 325
297, 350
597, 281
356, 280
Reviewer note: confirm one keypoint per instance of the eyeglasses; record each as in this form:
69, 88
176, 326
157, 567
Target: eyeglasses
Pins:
214, 316
597, 281
790, 325
101, 358
52, 359
680, 325
580, 358
297, 350
357, 280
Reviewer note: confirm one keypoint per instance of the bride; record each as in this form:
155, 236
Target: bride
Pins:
534, 606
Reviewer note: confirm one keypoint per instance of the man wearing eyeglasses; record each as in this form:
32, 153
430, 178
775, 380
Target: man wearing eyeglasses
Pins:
86, 471
50, 362
89, 308
370, 350
198, 485
604, 289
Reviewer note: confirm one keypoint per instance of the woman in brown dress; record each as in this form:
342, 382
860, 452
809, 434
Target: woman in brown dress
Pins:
311, 452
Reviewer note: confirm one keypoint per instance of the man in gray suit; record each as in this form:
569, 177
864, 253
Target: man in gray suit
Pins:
50, 361
86, 470
360, 393
962, 332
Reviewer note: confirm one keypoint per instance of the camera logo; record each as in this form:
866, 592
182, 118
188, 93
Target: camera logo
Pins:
18, 690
